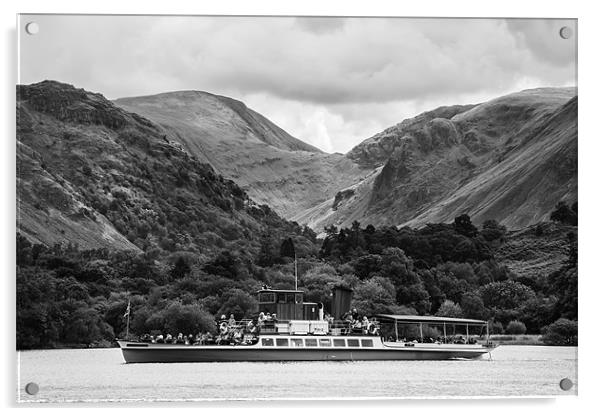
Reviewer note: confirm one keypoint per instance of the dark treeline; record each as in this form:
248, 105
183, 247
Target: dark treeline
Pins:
72, 297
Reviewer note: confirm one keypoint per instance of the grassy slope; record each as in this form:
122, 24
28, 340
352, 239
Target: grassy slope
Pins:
272, 166
536, 256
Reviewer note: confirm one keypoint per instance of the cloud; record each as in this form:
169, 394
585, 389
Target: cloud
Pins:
328, 81
320, 25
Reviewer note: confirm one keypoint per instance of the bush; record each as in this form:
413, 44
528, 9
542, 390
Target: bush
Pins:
560, 332
516, 328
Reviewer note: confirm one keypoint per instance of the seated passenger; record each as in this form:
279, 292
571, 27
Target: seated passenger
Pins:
347, 317
168, 339
223, 329
237, 337
365, 324
160, 339
180, 339
261, 319
231, 321
274, 319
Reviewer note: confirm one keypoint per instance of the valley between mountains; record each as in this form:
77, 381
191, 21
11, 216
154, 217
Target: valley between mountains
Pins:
510, 159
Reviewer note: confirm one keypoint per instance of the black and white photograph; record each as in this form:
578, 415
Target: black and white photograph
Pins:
214, 207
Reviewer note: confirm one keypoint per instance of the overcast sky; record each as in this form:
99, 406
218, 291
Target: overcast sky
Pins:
331, 82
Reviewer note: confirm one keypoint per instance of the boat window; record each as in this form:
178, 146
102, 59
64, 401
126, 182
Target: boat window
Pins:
338, 342
324, 343
266, 297
311, 342
281, 298
281, 342
297, 342
367, 343
353, 342
267, 342
290, 298
299, 298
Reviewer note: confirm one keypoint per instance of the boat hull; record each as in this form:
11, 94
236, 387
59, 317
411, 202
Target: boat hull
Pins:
149, 353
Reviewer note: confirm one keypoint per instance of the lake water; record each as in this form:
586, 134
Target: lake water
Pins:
102, 375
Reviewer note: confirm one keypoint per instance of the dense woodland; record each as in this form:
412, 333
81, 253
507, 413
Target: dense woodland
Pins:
72, 297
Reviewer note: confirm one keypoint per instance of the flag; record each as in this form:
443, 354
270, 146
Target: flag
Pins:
127, 311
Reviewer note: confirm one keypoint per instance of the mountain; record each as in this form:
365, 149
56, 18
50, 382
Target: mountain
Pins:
273, 167
510, 159
94, 175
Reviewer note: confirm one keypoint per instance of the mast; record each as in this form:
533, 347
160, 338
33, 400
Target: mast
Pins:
295, 270
127, 326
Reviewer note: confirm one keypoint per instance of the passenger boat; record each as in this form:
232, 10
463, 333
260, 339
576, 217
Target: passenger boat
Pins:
301, 334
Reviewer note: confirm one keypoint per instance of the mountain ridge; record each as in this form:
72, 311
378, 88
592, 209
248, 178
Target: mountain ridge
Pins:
429, 165
92, 174
286, 175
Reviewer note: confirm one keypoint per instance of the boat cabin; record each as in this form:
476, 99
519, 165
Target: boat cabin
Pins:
431, 328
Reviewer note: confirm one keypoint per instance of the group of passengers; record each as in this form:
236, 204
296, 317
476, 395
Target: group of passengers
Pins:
231, 332
180, 339
357, 324
457, 339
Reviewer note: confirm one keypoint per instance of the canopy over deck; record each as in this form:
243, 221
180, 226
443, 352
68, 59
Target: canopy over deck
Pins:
432, 319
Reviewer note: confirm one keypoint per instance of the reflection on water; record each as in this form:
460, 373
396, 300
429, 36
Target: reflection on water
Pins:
101, 375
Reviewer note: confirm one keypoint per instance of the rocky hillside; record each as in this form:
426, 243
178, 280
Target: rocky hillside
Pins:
510, 159
92, 174
273, 167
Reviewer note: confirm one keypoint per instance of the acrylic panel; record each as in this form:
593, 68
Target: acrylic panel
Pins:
240, 207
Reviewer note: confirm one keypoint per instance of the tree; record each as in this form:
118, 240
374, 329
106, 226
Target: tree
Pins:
516, 328
450, 309
180, 268
187, 319
564, 284
237, 302
564, 214
287, 248
374, 296
472, 306
561, 332
463, 225
227, 265
266, 251
505, 295
492, 230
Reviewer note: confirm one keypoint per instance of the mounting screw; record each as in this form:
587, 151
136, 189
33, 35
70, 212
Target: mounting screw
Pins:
566, 32
566, 384
32, 388
32, 28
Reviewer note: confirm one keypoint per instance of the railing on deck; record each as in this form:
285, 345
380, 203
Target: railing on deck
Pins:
240, 332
